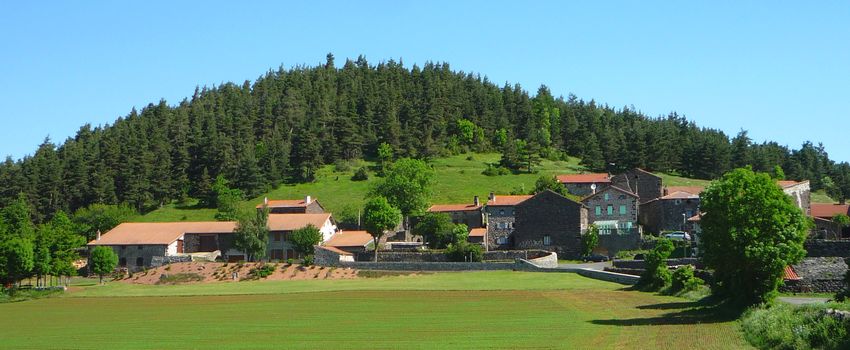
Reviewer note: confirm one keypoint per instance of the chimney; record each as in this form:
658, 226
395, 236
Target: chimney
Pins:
666, 191
475, 201
308, 199
492, 197
266, 201
98, 235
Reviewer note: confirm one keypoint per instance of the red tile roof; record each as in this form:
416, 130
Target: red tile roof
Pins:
287, 203
453, 207
828, 210
349, 239
508, 200
291, 222
695, 218
680, 195
335, 250
159, 233
787, 183
478, 232
790, 274
584, 178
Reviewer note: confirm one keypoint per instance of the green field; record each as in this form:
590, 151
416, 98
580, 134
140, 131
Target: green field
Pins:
501, 309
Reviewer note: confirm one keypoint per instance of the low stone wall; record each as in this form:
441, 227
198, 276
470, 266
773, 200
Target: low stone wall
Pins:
427, 266
640, 264
827, 248
549, 261
158, 261
609, 276
439, 256
818, 275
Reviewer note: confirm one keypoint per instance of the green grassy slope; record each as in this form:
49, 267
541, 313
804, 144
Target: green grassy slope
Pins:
501, 309
458, 179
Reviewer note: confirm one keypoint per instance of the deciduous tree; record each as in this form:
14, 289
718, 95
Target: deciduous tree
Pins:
378, 218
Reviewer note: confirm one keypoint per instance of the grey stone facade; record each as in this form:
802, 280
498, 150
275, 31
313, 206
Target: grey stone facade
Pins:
613, 204
500, 226
667, 214
221, 241
647, 186
551, 222
827, 248
137, 257
582, 189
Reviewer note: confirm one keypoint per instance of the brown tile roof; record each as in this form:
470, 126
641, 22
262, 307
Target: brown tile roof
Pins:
335, 250
689, 189
478, 232
680, 195
695, 218
159, 233
508, 200
787, 183
349, 239
828, 210
453, 207
286, 203
617, 188
291, 222
584, 178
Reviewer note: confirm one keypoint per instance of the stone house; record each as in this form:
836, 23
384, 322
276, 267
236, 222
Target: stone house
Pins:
822, 213
584, 184
280, 245
308, 205
800, 192
550, 221
646, 185
671, 211
613, 210
136, 244
471, 215
501, 217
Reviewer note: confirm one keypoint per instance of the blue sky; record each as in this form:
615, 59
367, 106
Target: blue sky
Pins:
782, 72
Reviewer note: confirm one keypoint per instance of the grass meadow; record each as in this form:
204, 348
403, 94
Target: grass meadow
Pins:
498, 309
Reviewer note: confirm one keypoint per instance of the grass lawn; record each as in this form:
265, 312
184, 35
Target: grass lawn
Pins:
499, 309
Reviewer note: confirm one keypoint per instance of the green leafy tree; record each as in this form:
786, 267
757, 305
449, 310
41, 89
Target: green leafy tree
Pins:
656, 275
103, 261
460, 234
406, 186
378, 218
549, 182
778, 173
751, 231
589, 240
64, 239
100, 217
227, 200
252, 234
466, 131
42, 266
17, 219
16, 259
435, 229
385, 156
305, 239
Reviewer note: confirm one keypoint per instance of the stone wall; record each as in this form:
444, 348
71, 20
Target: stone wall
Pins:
827, 248
165, 260
129, 255
640, 264
427, 266
609, 276
611, 244
439, 256
325, 257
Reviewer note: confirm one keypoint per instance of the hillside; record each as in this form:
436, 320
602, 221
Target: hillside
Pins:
458, 179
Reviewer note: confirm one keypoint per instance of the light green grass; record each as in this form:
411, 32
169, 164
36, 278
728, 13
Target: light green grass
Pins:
500, 309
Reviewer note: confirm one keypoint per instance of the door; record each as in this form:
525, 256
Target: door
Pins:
207, 244
179, 246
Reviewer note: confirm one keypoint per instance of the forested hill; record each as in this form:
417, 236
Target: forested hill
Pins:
283, 126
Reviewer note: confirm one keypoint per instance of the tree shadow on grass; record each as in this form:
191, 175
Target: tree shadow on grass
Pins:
693, 312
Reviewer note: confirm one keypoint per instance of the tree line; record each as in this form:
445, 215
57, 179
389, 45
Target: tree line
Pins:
284, 125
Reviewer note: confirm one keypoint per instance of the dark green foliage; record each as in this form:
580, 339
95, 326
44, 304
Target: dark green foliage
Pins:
177, 278
406, 185
549, 182
464, 251
227, 200
101, 217
786, 326
103, 261
683, 280
307, 260
656, 276
362, 174
288, 122
252, 234
751, 231
305, 238
260, 272
16, 259
589, 240
435, 229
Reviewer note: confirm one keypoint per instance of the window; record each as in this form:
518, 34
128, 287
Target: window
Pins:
140, 261
610, 209
547, 240
598, 210
622, 210
607, 196
139, 247
502, 240
501, 211
277, 236
622, 196
678, 201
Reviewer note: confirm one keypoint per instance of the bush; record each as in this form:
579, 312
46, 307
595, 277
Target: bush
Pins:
495, 170
629, 254
683, 280
464, 251
308, 260
179, 278
290, 261
785, 326
342, 166
656, 275
361, 174
261, 272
